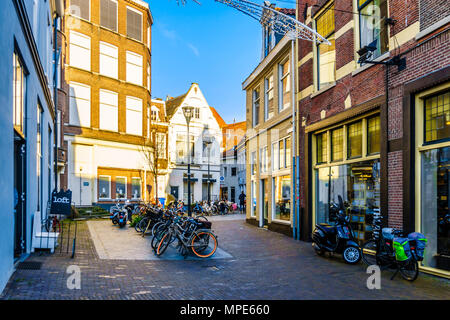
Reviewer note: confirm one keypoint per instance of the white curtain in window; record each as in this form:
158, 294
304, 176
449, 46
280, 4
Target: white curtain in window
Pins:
134, 68
109, 119
80, 51
109, 60
134, 116
80, 104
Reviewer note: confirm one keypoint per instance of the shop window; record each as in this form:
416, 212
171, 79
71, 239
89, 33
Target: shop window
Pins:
121, 187
288, 152
435, 202
359, 186
282, 193
104, 187
337, 144
253, 163
321, 143
253, 200
136, 188
326, 54
372, 27
373, 135
354, 140
437, 117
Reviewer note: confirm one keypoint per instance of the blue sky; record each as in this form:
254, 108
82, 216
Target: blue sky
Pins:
211, 44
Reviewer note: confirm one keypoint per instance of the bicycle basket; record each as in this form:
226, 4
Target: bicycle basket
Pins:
419, 242
402, 249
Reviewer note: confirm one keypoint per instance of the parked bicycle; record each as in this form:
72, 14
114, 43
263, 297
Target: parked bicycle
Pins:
390, 250
193, 235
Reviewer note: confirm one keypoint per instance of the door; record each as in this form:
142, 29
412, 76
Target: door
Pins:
174, 192
19, 196
264, 208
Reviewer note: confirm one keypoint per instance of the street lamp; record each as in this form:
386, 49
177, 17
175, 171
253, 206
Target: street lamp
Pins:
188, 114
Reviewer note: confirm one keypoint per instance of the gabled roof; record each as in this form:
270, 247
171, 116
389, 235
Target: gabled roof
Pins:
173, 104
218, 118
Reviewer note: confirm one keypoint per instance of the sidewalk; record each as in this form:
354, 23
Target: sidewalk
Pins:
263, 265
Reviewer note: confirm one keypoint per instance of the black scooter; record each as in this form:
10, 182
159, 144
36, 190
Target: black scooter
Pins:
338, 238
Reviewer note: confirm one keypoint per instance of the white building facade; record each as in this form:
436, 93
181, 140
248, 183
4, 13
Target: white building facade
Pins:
26, 124
203, 127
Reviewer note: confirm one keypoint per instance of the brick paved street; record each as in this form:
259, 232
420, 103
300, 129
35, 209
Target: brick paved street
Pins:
264, 265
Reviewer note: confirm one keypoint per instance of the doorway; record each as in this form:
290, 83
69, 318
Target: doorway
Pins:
264, 211
19, 196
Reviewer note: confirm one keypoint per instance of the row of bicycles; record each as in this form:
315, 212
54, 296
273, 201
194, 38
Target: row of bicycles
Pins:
192, 235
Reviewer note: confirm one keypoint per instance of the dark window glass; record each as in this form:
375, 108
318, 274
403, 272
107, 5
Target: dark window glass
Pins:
134, 25
80, 8
354, 140
256, 107
437, 117
108, 14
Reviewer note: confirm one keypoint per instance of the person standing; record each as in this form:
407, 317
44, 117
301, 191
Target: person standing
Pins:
242, 202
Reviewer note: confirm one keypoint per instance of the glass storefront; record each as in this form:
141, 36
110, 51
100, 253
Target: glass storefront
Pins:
282, 197
435, 218
359, 185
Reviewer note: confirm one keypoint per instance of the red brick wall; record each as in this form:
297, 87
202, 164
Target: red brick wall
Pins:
395, 191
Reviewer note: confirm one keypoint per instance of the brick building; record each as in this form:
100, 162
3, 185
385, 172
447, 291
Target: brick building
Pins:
377, 135
108, 72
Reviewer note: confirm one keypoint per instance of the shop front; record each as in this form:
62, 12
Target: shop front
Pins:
432, 164
346, 163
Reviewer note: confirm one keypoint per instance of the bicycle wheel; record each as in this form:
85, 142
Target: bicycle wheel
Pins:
369, 251
159, 233
410, 270
163, 244
204, 244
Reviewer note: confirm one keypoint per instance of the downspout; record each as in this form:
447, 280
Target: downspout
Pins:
55, 93
293, 156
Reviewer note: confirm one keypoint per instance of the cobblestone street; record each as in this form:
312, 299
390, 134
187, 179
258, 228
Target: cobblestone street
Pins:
263, 265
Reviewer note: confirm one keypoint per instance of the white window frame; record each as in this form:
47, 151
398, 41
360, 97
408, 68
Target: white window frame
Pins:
106, 69
117, 16
90, 13
130, 63
130, 126
140, 187
142, 23
71, 98
107, 123
281, 104
109, 185
126, 191
267, 91
72, 46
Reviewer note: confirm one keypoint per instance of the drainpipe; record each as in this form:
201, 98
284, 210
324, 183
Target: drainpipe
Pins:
293, 156
55, 93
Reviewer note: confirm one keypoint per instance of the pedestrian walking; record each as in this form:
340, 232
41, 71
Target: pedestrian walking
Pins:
242, 202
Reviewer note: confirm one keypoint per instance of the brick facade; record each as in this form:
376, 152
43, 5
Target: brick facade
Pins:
358, 86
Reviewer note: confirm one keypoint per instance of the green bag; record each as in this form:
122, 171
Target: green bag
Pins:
402, 249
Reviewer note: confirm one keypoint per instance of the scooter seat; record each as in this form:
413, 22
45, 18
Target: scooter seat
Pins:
327, 228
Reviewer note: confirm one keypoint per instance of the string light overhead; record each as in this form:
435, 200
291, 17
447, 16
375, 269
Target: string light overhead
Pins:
270, 16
